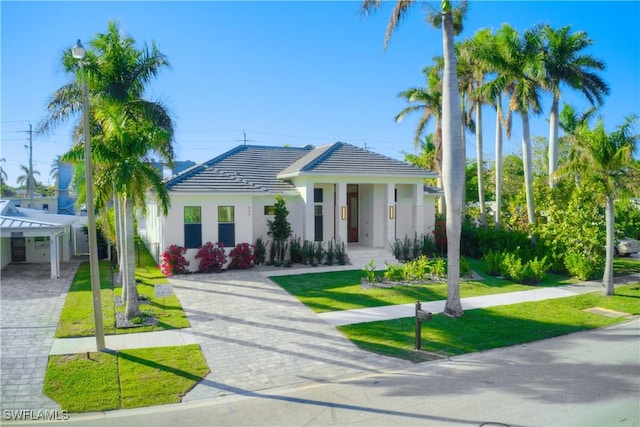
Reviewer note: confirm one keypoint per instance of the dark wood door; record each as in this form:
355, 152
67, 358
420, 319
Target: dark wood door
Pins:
18, 250
352, 213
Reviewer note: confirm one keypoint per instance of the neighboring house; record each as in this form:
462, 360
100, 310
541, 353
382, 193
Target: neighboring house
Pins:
31, 235
336, 191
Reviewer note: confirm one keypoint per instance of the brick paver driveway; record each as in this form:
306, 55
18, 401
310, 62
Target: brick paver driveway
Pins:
30, 306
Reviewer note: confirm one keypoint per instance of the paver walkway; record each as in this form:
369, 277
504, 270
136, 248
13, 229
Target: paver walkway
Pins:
30, 307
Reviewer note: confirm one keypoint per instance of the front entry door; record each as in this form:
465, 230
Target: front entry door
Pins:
18, 249
352, 213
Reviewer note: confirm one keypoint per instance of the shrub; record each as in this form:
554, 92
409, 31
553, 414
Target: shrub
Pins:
296, 249
428, 246
581, 267
396, 249
416, 246
260, 251
309, 250
242, 256
212, 257
394, 272
537, 269
417, 269
493, 263
341, 253
465, 268
330, 252
369, 272
438, 268
318, 252
173, 261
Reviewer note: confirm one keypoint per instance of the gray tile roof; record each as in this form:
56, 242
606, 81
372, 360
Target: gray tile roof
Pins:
340, 158
255, 169
244, 169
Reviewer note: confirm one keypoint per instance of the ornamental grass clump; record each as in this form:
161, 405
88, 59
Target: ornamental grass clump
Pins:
173, 261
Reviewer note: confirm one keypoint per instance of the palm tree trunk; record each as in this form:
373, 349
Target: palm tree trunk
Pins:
607, 279
133, 307
480, 164
119, 220
498, 208
528, 167
452, 165
553, 141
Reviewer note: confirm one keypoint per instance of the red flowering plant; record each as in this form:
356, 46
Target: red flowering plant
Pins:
242, 256
212, 257
173, 261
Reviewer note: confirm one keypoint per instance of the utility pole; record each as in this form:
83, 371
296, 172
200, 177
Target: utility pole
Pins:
30, 180
244, 140
30, 185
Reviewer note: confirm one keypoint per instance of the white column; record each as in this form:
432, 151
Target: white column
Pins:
389, 211
418, 208
341, 205
308, 222
53, 257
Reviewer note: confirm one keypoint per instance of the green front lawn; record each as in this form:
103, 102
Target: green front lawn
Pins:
124, 379
493, 327
341, 290
76, 319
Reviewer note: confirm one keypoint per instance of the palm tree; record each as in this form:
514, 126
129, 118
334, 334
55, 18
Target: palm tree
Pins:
27, 177
428, 100
125, 129
607, 159
3, 173
55, 165
519, 68
471, 73
453, 149
565, 64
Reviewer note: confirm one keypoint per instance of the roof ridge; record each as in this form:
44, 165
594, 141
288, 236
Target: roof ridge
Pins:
327, 152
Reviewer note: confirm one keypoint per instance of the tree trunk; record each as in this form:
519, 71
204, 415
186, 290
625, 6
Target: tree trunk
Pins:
120, 235
528, 167
498, 208
553, 141
133, 307
480, 163
607, 279
452, 166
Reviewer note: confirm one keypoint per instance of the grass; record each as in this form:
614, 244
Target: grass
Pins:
494, 327
341, 290
124, 379
128, 378
76, 319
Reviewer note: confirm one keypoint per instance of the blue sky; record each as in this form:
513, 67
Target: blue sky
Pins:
292, 73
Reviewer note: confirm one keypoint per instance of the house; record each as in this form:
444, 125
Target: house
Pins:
336, 191
32, 235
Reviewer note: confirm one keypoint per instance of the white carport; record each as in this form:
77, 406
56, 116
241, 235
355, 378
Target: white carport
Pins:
31, 235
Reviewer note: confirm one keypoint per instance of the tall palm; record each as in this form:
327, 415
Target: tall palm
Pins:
427, 100
450, 19
608, 160
566, 65
27, 177
125, 128
518, 63
3, 173
471, 74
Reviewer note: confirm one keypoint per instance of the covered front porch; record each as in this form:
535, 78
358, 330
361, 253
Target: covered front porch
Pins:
369, 214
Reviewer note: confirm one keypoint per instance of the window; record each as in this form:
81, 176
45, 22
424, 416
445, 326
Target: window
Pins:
226, 226
317, 195
45, 206
317, 211
192, 227
226, 214
269, 210
41, 242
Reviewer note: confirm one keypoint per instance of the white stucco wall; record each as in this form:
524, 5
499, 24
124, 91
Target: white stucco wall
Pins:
5, 252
